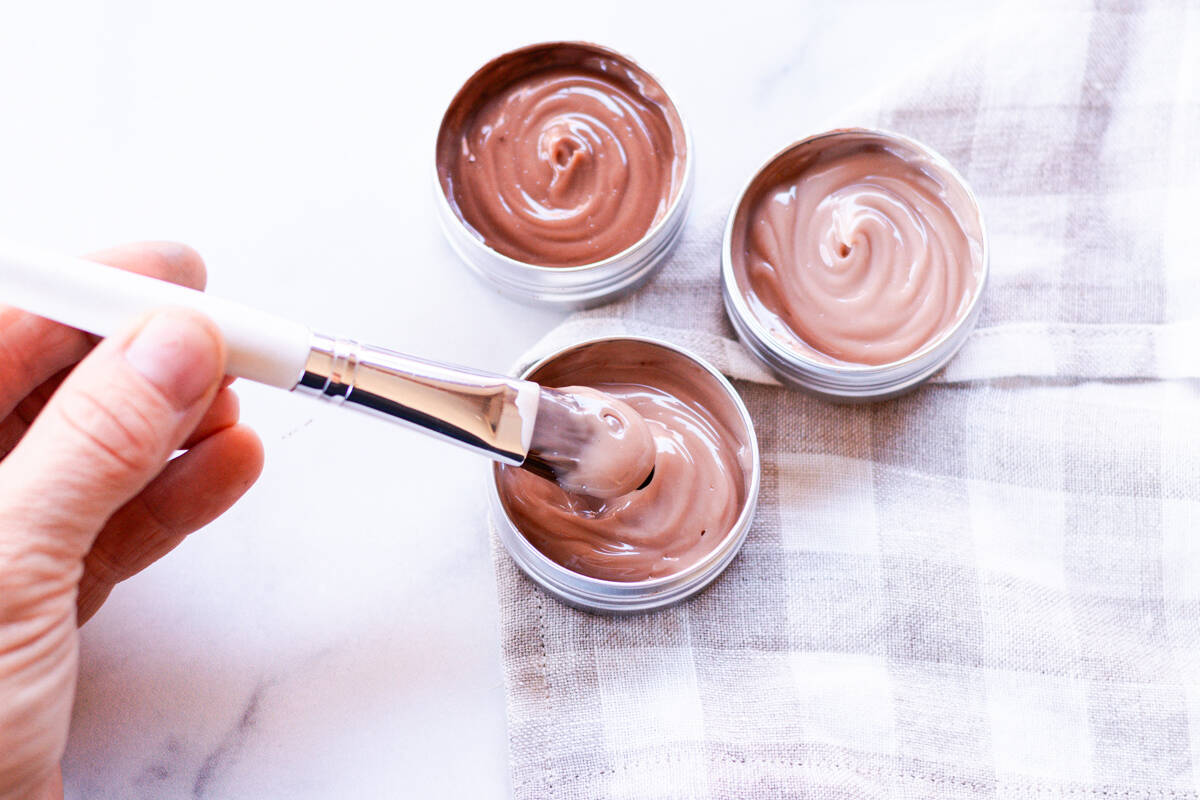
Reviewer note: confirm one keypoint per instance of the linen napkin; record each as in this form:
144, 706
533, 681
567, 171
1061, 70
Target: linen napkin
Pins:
991, 586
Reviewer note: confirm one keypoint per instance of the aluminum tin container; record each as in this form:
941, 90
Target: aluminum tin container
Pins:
567, 287
842, 381
626, 597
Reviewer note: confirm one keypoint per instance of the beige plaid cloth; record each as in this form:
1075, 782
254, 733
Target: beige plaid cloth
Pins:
987, 588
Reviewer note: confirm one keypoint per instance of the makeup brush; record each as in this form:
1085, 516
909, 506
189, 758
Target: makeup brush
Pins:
553, 433
591, 443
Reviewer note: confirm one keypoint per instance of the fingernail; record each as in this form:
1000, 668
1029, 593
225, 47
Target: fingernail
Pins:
177, 354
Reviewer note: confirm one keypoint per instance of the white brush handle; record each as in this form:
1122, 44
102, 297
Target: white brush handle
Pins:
491, 414
101, 300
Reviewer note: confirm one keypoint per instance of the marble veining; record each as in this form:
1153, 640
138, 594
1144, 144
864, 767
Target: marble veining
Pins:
231, 744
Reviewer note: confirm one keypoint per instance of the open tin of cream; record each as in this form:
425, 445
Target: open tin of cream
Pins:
563, 174
853, 263
671, 538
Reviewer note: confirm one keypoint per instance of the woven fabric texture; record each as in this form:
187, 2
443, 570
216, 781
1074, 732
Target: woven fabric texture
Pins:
989, 587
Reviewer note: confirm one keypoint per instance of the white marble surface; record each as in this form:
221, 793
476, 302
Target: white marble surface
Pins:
336, 634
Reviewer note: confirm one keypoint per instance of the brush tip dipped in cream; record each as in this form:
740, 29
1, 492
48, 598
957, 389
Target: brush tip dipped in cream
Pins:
590, 443
854, 262
669, 538
563, 173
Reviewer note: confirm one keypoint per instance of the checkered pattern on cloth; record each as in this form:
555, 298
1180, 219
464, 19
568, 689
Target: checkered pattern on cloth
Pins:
989, 587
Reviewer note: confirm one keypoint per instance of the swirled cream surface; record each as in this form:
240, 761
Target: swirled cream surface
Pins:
857, 248
561, 155
695, 496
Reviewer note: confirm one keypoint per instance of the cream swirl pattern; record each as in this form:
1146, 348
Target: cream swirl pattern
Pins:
861, 255
564, 161
689, 506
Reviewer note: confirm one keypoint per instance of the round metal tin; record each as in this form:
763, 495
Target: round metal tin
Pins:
624, 597
568, 287
840, 380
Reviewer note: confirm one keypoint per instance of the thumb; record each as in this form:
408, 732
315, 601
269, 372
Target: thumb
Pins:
110, 428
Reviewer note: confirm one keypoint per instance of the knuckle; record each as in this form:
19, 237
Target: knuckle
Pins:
34, 577
28, 342
104, 568
120, 434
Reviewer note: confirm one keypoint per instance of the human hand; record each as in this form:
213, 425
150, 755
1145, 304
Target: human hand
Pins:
88, 496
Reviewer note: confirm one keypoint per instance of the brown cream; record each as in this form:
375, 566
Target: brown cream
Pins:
561, 154
590, 443
696, 494
858, 248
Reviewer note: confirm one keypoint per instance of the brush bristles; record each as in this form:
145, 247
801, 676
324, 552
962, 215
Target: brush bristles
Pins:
560, 435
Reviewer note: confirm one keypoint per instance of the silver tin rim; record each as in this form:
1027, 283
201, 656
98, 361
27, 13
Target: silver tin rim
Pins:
585, 285
629, 597
848, 382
